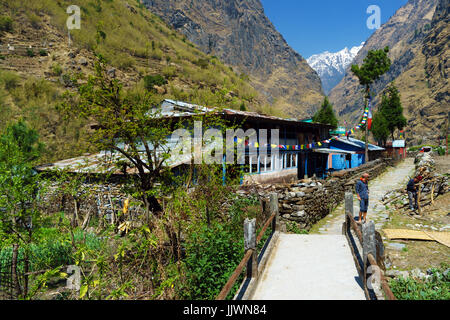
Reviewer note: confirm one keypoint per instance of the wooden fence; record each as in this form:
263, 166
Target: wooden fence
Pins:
371, 262
251, 262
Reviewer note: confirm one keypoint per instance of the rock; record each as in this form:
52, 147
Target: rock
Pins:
417, 273
83, 61
396, 246
397, 274
299, 214
111, 72
132, 9
72, 55
300, 194
298, 207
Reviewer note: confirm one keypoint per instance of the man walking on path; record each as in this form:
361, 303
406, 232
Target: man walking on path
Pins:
362, 192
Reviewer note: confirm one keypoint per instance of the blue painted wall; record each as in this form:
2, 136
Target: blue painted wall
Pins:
339, 162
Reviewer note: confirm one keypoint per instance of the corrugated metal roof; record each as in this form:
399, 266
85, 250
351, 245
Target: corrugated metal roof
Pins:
327, 150
103, 163
359, 144
185, 109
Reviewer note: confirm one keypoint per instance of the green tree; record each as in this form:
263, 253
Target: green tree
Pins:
127, 125
19, 192
379, 128
326, 114
375, 64
392, 110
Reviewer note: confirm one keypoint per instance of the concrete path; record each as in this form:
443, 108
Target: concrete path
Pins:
390, 180
320, 266
310, 267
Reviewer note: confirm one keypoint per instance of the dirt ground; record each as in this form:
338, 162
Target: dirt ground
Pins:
442, 164
436, 217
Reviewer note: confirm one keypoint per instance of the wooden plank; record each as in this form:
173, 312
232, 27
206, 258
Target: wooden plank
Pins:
264, 229
384, 284
229, 285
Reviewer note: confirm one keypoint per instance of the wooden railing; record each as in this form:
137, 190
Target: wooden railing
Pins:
372, 251
250, 260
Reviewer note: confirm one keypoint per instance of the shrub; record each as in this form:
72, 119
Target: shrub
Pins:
6, 24
202, 63
441, 151
43, 53
10, 80
57, 69
212, 254
436, 288
151, 81
30, 52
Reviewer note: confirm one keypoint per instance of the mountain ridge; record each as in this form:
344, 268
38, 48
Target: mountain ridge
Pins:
242, 35
406, 33
331, 66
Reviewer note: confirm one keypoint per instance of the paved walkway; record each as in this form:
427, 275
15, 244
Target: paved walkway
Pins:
320, 266
390, 180
310, 267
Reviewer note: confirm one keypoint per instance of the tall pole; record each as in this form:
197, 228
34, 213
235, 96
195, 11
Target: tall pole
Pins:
367, 127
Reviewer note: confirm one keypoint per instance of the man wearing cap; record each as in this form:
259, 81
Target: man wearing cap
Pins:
362, 192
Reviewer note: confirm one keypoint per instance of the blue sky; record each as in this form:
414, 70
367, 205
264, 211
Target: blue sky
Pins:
315, 26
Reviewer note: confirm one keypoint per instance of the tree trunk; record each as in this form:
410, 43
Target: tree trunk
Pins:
15, 278
26, 269
76, 217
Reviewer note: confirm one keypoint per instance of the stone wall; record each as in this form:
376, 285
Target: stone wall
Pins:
305, 201
310, 200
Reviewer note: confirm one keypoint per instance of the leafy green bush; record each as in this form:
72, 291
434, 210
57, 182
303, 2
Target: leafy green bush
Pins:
202, 63
441, 151
52, 249
30, 52
6, 24
151, 81
437, 288
10, 80
212, 255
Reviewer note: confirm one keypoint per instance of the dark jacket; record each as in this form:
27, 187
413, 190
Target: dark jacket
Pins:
411, 186
362, 189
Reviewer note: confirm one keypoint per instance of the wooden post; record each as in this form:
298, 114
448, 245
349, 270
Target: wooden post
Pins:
419, 194
250, 244
432, 193
369, 241
273, 208
349, 203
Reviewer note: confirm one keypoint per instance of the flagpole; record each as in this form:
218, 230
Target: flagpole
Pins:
367, 128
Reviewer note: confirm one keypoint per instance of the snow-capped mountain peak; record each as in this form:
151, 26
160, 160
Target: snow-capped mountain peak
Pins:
331, 66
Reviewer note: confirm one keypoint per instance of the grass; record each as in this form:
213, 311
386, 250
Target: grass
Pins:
437, 288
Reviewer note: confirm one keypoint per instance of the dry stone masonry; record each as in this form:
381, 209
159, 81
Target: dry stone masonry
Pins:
309, 200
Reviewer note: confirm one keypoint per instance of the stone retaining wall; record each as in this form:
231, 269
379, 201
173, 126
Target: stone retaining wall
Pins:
305, 202
310, 200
